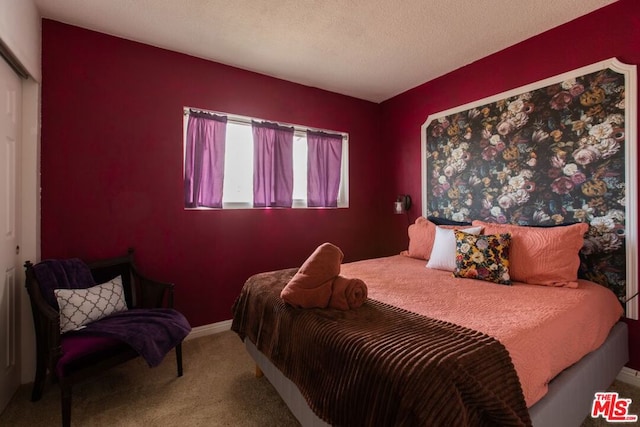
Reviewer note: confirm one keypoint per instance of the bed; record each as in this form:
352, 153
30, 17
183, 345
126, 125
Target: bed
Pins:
543, 164
590, 345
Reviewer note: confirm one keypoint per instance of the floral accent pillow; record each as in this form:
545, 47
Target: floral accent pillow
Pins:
483, 257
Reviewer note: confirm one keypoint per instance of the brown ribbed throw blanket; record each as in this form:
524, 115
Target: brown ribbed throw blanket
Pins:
380, 365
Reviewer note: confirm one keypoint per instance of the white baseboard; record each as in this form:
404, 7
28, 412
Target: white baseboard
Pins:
210, 329
629, 376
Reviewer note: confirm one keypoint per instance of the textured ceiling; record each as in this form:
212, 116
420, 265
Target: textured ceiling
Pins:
368, 49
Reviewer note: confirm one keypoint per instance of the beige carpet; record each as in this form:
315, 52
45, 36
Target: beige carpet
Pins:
219, 388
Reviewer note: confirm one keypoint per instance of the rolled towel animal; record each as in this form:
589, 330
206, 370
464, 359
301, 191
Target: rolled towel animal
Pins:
312, 285
347, 293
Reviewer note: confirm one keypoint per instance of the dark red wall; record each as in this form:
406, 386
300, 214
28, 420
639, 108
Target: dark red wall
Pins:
112, 141
112, 153
613, 31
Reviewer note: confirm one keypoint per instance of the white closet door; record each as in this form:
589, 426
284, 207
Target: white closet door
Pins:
10, 108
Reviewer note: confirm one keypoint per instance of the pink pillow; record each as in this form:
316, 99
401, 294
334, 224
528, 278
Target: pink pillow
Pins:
421, 237
541, 255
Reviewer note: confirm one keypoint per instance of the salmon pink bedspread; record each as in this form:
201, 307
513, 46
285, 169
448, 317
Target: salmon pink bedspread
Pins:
545, 329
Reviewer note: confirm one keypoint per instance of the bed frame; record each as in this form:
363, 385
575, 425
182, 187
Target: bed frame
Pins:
567, 403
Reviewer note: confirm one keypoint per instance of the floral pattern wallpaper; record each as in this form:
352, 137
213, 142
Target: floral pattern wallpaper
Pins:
547, 157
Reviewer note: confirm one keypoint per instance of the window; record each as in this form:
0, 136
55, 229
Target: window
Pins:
237, 188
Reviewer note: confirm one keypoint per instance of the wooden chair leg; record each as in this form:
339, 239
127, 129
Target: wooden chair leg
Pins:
41, 377
65, 395
179, 358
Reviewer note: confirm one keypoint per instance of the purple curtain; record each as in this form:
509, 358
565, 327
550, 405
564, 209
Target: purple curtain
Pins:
204, 160
323, 169
272, 165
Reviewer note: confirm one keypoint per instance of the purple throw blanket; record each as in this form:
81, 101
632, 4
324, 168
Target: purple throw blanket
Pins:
156, 331
53, 274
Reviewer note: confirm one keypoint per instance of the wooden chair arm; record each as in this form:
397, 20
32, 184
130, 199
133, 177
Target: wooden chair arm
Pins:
153, 293
46, 321
48, 313
50, 325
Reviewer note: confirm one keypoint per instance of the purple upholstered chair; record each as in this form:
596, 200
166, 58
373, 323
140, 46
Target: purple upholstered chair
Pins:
74, 356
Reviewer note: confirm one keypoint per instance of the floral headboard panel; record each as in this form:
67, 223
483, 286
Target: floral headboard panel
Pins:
558, 151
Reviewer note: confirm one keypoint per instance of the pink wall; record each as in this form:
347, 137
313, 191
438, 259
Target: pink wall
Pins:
613, 31
112, 168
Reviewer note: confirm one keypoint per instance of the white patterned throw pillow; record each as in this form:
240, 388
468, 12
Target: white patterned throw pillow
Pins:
79, 307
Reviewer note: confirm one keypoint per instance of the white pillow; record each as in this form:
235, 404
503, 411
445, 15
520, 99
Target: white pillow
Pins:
443, 254
79, 307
